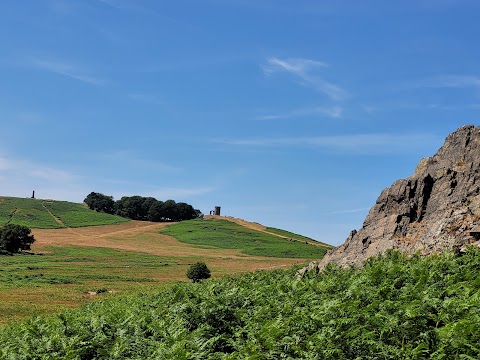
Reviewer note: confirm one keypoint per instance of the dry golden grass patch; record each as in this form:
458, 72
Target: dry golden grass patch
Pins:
123, 258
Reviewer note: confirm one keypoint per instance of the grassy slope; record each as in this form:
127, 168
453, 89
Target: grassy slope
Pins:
292, 235
393, 308
39, 284
124, 258
228, 235
34, 213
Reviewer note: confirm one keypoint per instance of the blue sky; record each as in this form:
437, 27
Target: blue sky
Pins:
293, 114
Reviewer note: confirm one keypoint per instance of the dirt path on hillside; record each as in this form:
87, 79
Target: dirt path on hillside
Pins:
51, 214
139, 236
11, 216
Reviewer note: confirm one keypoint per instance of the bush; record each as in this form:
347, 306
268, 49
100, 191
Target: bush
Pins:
14, 238
197, 272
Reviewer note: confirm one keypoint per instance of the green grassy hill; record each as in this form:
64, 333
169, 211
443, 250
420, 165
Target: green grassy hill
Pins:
226, 234
50, 214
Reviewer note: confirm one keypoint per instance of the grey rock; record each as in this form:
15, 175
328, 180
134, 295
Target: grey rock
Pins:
433, 210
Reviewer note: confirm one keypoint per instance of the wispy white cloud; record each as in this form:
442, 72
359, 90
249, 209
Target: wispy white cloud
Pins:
62, 68
32, 170
304, 71
450, 81
18, 177
333, 112
353, 144
295, 66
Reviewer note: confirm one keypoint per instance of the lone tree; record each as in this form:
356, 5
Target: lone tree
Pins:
14, 238
197, 272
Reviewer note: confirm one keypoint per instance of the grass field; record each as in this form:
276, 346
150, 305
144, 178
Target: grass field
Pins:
127, 258
50, 214
62, 277
394, 307
229, 235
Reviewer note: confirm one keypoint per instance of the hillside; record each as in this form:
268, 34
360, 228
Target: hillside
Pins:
70, 265
227, 233
270, 230
51, 214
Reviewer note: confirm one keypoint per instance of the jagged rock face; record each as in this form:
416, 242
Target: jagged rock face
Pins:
434, 209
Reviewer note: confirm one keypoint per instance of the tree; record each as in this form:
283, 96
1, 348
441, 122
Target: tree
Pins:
100, 202
147, 203
14, 238
142, 208
185, 212
170, 210
131, 207
198, 214
155, 213
197, 272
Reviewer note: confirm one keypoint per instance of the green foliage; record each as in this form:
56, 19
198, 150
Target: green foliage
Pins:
14, 238
228, 235
99, 202
197, 272
392, 308
151, 209
41, 214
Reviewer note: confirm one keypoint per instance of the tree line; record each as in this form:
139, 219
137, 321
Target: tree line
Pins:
142, 208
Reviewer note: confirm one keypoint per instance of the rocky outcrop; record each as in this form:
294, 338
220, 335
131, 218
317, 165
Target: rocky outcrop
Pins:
434, 209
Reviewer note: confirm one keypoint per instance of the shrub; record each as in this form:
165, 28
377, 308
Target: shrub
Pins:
197, 272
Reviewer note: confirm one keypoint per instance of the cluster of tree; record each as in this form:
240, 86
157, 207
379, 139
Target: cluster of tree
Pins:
142, 208
15, 238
